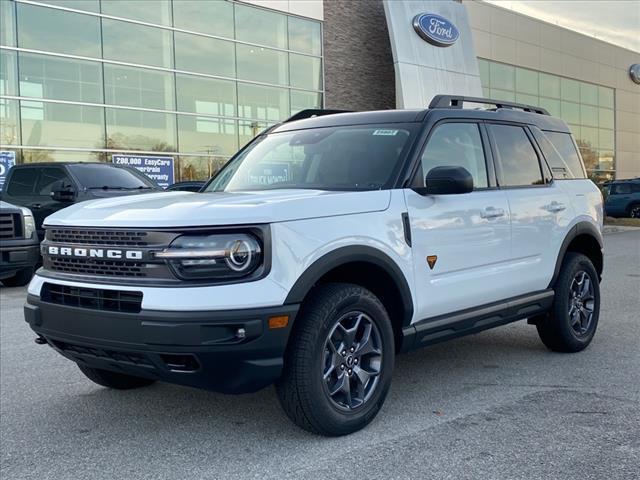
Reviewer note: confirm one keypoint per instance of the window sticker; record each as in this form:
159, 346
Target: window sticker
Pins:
389, 133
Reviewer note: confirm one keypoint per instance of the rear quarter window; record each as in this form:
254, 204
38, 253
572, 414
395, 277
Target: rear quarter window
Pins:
562, 155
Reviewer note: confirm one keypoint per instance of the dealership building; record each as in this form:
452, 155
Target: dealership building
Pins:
194, 80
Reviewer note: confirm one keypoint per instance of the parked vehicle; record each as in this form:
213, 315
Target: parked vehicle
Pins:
186, 186
323, 248
623, 198
45, 188
19, 246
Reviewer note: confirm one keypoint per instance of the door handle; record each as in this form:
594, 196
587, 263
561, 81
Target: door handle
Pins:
492, 212
554, 207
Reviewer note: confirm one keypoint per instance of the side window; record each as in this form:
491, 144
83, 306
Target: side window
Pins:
49, 176
22, 182
620, 189
518, 159
456, 144
566, 149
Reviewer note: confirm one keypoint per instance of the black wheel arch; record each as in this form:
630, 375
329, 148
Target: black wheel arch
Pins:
585, 238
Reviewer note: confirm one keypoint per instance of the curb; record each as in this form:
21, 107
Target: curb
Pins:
618, 228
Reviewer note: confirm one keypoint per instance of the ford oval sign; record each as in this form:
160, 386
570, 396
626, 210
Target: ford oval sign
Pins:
435, 29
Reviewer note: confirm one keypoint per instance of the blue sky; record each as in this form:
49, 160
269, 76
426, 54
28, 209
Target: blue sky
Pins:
614, 21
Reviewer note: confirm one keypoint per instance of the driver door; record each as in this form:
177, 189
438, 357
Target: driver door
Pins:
461, 242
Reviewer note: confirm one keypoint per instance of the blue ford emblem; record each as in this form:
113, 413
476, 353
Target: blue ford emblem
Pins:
435, 29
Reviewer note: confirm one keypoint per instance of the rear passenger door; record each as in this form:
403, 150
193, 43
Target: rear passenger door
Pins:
540, 210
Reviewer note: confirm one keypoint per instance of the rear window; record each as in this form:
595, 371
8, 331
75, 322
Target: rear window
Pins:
563, 158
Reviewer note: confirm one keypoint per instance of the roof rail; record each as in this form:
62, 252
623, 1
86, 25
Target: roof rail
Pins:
455, 101
313, 112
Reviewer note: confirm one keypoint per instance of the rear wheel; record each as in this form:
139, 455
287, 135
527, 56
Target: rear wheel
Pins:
109, 379
634, 211
573, 320
339, 363
21, 278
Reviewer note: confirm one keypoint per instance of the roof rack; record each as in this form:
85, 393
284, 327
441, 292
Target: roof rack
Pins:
455, 101
311, 112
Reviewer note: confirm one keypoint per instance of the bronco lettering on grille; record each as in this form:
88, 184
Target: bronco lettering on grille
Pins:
95, 253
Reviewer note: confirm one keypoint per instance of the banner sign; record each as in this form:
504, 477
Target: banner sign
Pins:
7, 160
158, 169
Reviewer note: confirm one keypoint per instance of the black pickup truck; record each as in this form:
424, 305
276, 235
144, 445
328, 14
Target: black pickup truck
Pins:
19, 246
45, 188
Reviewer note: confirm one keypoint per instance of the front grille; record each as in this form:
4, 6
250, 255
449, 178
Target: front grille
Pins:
120, 356
114, 238
10, 225
92, 298
92, 266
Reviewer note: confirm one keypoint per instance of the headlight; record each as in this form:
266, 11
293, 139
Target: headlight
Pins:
217, 256
29, 225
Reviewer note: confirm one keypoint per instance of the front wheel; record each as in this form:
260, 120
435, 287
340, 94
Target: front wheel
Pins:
21, 278
573, 319
339, 363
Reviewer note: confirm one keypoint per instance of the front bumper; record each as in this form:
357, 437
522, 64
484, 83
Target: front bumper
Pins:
16, 255
197, 349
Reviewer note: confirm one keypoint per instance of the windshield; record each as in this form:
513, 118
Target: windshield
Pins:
110, 177
361, 157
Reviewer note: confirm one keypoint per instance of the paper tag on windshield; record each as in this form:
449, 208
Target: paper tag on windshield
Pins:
385, 132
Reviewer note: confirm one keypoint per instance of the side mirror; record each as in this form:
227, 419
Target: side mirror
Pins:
63, 192
446, 181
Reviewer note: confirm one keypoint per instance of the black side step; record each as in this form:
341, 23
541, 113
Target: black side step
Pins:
473, 320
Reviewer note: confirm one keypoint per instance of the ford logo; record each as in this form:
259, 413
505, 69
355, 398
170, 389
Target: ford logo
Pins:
435, 29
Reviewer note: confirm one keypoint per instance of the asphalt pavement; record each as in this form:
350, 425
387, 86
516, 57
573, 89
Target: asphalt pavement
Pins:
496, 405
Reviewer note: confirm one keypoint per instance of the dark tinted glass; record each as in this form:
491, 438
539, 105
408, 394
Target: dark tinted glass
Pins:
518, 159
100, 176
563, 144
621, 188
48, 177
22, 181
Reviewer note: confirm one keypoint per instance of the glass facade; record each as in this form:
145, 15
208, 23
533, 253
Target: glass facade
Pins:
587, 108
196, 79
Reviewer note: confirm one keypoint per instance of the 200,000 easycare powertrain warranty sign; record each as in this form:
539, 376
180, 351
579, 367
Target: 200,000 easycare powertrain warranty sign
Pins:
159, 169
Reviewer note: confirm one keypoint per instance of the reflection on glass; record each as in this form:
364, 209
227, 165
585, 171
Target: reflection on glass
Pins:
247, 131
129, 42
8, 73
58, 78
210, 135
304, 100
9, 128
588, 93
86, 5
605, 118
138, 87
151, 11
526, 81
260, 26
198, 168
262, 64
570, 112
606, 160
54, 30
606, 139
137, 130
50, 124
527, 99
551, 105
263, 103
549, 85
502, 77
204, 55
605, 97
570, 90
589, 115
208, 96
207, 16
589, 136
305, 72
502, 95
305, 36
7, 24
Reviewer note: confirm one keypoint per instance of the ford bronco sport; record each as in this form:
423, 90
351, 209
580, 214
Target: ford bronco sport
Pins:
324, 247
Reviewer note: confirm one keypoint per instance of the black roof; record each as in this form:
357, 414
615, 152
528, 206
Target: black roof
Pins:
58, 164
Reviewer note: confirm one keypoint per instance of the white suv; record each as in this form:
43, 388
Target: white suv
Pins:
324, 247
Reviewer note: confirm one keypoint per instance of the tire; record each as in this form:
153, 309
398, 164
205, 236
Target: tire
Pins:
337, 315
21, 278
109, 379
634, 211
572, 322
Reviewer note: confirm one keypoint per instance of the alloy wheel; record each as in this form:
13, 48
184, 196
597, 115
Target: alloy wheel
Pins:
635, 212
581, 303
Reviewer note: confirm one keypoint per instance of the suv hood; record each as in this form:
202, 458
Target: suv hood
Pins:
187, 209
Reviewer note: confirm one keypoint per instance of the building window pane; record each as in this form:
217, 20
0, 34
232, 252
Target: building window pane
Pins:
138, 87
152, 11
256, 25
551, 105
207, 16
589, 115
86, 5
570, 112
204, 55
8, 73
305, 72
9, 127
262, 64
570, 90
199, 168
247, 131
138, 130
305, 36
526, 81
128, 42
263, 103
605, 118
54, 30
483, 65
606, 160
7, 23
57, 78
588, 94
527, 99
208, 96
589, 136
502, 95
606, 139
51, 124
304, 100
605, 97
210, 135
502, 77
549, 86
